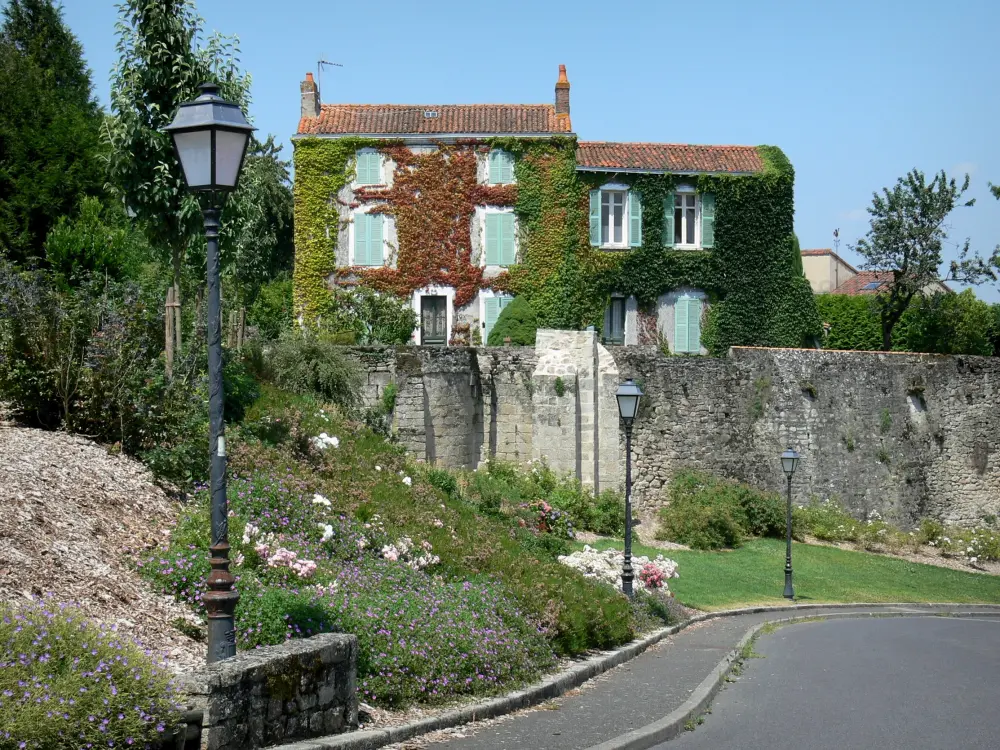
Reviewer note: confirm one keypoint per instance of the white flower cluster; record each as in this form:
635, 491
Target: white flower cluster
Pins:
324, 441
327, 530
606, 565
404, 551
318, 499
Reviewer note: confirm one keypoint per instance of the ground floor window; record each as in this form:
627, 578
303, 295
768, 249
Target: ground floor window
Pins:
614, 322
492, 308
687, 324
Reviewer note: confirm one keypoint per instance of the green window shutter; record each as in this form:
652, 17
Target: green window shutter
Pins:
361, 239
694, 325
668, 220
595, 217
507, 239
364, 158
493, 239
494, 167
681, 324
507, 168
376, 256
504, 301
707, 219
635, 219
492, 313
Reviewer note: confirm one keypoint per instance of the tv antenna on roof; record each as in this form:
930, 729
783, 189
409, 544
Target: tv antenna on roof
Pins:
319, 75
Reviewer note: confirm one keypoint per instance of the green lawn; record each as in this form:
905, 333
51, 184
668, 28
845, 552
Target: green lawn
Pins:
754, 574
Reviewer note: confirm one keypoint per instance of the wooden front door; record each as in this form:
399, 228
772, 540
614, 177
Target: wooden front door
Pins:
434, 321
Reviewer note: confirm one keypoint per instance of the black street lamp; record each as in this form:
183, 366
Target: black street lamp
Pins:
210, 136
789, 460
628, 395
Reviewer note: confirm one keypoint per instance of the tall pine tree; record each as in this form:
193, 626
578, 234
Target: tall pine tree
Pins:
49, 127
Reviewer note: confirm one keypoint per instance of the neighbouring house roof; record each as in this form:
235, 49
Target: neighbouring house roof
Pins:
827, 251
435, 119
869, 282
666, 157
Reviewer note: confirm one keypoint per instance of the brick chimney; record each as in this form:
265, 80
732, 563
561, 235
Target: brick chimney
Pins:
562, 93
310, 97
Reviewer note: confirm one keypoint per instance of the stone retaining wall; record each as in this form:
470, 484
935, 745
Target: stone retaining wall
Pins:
300, 689
908, 435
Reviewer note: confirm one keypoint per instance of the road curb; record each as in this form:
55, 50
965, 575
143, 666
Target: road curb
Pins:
562, 682
674, 723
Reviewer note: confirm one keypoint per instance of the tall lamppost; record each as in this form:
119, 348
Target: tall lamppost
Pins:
789, 460
628, 395
210, 136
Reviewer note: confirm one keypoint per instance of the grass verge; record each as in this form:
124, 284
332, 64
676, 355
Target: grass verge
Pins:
754, 574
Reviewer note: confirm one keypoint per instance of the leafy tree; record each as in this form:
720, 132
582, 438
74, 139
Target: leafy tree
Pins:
905, 241
257, 240
161, 62
517, 320
947, 324
100, 239
49, 126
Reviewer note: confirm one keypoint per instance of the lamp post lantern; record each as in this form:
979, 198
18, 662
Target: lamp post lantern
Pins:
628, 396
210, 136
789, 461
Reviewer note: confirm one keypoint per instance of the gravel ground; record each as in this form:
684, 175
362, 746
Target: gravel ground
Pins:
74, 517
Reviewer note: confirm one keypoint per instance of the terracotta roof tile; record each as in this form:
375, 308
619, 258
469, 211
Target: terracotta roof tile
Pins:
856, 284
809, 253
406, 119
667, 157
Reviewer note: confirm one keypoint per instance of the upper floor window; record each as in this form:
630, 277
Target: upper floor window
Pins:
689, 219
369, 239
501, 167
369, 167
501, 249
615, 217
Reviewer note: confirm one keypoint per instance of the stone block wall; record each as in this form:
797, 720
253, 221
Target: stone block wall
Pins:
300, 689
908, 435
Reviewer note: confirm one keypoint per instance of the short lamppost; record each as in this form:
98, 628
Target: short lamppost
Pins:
628, 395
789, 460
210, 136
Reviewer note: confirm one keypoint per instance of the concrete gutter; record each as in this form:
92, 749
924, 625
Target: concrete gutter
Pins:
562, 682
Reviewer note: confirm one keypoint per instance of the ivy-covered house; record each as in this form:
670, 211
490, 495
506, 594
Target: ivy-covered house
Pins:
459, 208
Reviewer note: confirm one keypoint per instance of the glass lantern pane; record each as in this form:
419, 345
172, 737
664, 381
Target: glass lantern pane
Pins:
195, 151
228, 156
627, 406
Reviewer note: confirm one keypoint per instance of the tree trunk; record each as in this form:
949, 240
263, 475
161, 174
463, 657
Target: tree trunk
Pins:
168, 333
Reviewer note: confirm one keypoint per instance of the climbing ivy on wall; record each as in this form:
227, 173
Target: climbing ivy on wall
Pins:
757, 298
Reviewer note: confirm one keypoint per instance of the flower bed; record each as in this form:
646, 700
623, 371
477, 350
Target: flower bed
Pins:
69, 683
606, 566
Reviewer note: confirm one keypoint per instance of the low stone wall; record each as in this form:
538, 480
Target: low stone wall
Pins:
300, 689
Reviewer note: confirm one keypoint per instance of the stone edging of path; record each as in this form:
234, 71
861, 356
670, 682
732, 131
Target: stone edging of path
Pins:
557, 684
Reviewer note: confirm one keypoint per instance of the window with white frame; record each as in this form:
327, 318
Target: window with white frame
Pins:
615, 217
689, 219
368, 170
501, 167
685, 219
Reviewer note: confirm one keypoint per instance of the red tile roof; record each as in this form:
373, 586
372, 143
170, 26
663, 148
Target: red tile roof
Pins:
807, 253
406, 119
667, 157
855, 285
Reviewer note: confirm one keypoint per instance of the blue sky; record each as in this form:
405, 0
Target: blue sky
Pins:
856, 93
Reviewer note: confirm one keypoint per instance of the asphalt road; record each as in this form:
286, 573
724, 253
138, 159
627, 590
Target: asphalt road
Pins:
894, 683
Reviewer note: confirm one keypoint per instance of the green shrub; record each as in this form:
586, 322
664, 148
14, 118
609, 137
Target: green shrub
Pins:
305, 362
706, 512
100, 240
827, 521
68, 683
516, 320
272, 312
445, 481
363, 316
239, 387
929, 531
